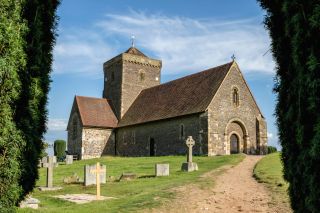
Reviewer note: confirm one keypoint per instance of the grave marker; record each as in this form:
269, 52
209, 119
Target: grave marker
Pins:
189, 166
97, 172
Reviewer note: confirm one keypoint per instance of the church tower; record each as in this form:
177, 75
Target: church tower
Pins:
126, 75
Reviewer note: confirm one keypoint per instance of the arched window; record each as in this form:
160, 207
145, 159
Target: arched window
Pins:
142, 75
181, 131
235, 97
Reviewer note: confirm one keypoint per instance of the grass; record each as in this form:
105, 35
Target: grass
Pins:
269, 171
135, 195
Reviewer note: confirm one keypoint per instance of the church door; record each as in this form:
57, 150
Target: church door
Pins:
234, 144
152, 147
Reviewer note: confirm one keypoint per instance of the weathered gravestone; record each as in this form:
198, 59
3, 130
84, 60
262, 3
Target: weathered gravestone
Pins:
49, 181
127, 176
162, 169
90, 178
189, 166
29, 202
69, 159
49, 160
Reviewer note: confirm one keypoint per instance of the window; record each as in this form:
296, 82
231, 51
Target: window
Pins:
235, 97
142, 75
181, 131
112, 76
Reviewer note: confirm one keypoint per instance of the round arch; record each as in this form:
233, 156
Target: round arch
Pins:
243, 139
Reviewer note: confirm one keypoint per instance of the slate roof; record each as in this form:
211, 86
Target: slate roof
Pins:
96, 112
135, 51
184, 96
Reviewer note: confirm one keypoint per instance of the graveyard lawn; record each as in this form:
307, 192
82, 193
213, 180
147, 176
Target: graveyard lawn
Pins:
144, 192
269, 171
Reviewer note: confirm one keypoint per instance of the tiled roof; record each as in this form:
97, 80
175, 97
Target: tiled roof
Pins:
135, 51
187, 95
96, 112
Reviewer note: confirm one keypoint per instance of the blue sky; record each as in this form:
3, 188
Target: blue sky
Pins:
188, 36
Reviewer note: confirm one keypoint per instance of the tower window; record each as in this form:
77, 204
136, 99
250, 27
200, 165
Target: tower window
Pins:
142, 75
112, 76
235, 97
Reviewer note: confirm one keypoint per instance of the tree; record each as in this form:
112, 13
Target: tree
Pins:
31, 113
12, 59
59, 148
294, 27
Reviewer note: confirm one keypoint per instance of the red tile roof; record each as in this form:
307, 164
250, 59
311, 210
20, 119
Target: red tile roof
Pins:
96, 112
187, 95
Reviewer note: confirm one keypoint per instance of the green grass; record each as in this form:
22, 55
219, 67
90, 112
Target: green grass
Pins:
132, 195
269, 171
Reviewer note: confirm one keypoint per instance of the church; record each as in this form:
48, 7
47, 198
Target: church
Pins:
139, 116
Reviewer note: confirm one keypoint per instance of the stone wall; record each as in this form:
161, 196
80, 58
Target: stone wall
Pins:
126, 76
96, 142
224, 117
166, 134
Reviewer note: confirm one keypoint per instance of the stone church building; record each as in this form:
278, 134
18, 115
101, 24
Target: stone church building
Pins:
138, 116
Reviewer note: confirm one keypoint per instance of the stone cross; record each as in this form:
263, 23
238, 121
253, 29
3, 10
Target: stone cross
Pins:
190, 143
50, 161
97, 171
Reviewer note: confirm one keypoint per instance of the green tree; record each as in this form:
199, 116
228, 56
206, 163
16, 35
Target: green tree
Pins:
294, 27
12, 59
59, 148
31, 113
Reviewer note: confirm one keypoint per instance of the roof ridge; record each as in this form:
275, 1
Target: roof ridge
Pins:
189, 76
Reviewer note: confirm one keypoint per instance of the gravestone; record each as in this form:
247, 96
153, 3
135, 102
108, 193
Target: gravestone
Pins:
189, 166
50, 176
69, 159
49, 160
127, 176
29, 202
90, 178
71, 179
162, 169
97, 171
49, 180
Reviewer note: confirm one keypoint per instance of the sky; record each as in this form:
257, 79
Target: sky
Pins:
188, 36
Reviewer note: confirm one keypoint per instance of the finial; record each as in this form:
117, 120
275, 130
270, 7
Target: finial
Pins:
233, 57
132, 40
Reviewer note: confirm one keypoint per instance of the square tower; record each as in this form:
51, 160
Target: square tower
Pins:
126, 75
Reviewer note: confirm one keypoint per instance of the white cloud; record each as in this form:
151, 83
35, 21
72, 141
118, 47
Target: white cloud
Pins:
57, 124
183, 44
270, 135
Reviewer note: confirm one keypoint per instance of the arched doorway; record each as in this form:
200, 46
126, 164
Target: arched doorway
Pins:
234, 144
152, 147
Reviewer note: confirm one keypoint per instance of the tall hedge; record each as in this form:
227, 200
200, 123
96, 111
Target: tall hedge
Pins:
12, 59
294, 27
59, 148
31, 113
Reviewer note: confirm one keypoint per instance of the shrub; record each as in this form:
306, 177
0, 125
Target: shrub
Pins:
59, 149
272, 149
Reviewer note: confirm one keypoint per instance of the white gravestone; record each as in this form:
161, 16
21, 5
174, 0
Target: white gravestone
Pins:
162, 169
90, 178
69, 159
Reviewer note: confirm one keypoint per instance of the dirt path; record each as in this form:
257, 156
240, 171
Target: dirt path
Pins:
234, 191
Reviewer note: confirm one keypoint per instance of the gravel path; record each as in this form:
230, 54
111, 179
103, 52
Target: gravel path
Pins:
235, 190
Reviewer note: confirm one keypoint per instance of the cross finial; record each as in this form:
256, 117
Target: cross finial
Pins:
233, 57
132, 40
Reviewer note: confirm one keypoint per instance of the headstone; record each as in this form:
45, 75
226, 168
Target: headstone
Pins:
71, 179
50, 176
97, 171
69, 159
49, 160
127, 176
162, 169
90, 178
29, 202
189, 166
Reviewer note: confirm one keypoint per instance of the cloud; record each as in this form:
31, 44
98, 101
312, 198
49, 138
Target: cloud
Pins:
57, 124
270, 135
183, 44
